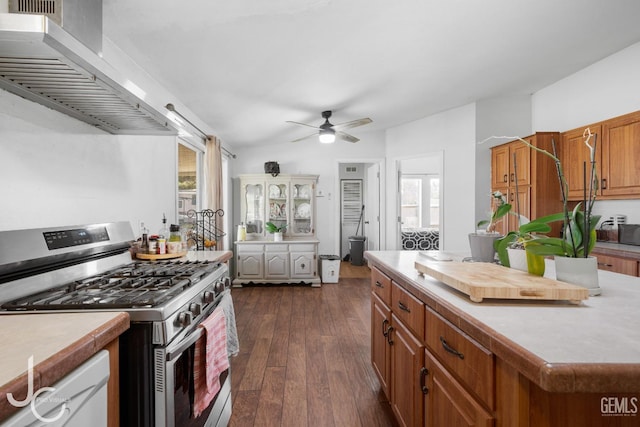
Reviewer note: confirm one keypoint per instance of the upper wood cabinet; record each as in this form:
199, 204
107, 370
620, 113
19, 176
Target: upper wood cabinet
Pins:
527, 178
617, 158
621, 157
575, 159
511, 164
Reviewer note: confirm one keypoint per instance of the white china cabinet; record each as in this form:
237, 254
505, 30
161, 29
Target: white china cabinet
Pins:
284, 200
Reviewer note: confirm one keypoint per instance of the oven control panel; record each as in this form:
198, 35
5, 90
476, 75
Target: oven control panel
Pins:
80, 236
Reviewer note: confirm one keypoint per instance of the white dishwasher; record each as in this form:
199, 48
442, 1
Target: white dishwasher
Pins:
77, 400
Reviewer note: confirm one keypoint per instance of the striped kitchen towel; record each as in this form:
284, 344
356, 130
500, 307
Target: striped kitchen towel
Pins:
210, 360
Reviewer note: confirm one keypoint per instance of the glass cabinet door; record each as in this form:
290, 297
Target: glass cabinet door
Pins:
302, 220
277, 205
254, 214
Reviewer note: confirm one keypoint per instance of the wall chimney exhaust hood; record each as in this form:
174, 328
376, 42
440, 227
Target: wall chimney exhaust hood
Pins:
41, 61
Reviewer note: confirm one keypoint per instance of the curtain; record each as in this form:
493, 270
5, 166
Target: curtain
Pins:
213, 181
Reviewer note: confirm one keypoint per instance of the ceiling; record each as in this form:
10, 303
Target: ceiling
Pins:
244, 67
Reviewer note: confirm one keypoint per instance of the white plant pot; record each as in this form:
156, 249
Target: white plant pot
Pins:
277, 236
518, 259
579, 271
482, 246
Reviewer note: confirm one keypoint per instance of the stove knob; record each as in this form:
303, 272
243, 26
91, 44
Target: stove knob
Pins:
195, 308
219, 287
208, 297
185, 318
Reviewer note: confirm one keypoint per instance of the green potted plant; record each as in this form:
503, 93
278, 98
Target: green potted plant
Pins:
482, 241
276, 230
512, 247
571, 251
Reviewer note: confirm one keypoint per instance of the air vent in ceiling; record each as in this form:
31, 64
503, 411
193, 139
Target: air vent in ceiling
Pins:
352, 169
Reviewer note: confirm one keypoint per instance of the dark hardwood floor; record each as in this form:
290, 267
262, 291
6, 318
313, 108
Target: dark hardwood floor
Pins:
305, 356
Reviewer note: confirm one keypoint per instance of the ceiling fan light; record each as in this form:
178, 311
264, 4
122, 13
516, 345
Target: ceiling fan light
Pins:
327, 136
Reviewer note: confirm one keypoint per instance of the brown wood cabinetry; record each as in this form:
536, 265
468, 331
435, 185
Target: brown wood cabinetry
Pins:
527, 178
407, 360
617, 158
380, 344
617, 264
447, 403
432, 373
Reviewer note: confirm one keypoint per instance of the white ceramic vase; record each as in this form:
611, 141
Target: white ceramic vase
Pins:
482, 246
518, 259
277, 236
579, 271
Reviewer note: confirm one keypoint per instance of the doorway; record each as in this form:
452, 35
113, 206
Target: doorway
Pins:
359, 185
419, 202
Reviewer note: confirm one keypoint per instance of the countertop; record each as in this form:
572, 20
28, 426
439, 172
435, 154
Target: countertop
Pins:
590, 347
617, 249
58, 342
221, 256
284, 241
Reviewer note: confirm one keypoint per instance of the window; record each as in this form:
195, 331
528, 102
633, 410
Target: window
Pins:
188, 182
434, 201
420, 201
411, 202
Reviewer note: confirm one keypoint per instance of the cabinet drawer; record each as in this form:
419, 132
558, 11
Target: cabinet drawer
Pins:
618, 265
302, 247
467, 360
381, 285
277, 247
250, 247
407, 308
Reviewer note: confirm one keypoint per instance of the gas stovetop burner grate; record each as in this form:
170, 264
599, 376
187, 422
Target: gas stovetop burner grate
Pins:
134, 285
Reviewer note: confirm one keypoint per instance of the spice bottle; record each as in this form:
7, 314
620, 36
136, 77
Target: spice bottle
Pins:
174, 244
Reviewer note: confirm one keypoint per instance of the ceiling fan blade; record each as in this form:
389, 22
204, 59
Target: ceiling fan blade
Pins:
305, 137
352, 124
303, 124
346, 137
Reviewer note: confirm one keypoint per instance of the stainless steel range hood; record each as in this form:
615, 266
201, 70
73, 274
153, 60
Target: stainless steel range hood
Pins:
42, 62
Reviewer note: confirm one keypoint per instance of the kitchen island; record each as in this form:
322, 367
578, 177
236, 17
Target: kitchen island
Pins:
510, 362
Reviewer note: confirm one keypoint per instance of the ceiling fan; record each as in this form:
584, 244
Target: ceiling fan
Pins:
329, 132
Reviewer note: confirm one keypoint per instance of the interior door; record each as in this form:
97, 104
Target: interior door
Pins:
372, 208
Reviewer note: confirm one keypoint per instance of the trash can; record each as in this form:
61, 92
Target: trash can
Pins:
356, 244
329, 268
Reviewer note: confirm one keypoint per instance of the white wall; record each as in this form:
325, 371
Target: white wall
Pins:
311, 157
453, 133
606, 89
59, 171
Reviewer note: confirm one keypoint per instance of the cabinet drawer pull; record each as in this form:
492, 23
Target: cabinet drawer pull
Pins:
604, 183
450, 349
423, 375
504, 178
385, 331
513, 177
380, 285
604, 264
403, 307
389, 330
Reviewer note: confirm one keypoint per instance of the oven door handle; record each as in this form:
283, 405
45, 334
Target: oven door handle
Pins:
173, 352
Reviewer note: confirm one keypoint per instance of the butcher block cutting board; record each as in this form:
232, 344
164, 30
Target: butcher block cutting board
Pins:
481, 280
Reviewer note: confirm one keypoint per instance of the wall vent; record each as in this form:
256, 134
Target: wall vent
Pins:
352, 169
50, 8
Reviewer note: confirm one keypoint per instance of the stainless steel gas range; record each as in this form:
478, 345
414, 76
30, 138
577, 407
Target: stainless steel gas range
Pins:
89, 267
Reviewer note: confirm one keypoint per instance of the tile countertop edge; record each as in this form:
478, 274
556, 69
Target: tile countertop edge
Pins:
551, 377
49, 371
